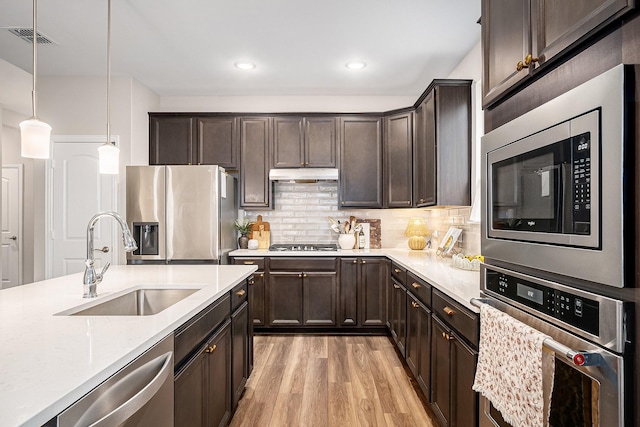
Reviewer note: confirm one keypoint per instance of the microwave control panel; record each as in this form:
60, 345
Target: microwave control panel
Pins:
581, 159
576, 311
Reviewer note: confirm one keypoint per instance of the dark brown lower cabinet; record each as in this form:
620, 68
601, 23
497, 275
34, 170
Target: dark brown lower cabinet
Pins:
201, 388
240, 352
363, 296
284, 299
319, 293
418, 349
453, 364
398, 315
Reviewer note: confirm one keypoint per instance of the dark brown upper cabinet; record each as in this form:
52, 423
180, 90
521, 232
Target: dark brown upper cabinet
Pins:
442, 145
398, 160
171, 140
360, 162
304, 142
520, 36
255, 187
217, 141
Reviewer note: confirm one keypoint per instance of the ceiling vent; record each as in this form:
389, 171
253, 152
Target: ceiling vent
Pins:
26, 34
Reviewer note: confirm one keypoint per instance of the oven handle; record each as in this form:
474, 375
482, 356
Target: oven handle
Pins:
578, 358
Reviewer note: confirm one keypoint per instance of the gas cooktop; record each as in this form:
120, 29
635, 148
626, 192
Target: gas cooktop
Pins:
303, 247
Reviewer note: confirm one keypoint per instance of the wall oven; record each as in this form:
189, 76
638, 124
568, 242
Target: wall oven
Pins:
554, 184
588, 337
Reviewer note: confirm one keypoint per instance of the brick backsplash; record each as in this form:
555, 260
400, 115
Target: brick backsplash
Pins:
301, 209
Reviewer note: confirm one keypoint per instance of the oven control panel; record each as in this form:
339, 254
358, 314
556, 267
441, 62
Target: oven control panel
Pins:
581, 159
578, 311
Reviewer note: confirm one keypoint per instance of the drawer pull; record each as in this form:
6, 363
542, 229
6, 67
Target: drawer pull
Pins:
211, 349
241, 292
414, 304
249, 262
397, 270
396, 286
415, 285
448, 311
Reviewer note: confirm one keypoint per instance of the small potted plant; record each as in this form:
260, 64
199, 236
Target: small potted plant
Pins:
244, 228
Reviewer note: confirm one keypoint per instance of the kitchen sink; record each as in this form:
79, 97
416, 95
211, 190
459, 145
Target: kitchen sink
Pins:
138, 302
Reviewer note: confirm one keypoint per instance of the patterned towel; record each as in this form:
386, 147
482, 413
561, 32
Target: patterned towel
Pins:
509, 371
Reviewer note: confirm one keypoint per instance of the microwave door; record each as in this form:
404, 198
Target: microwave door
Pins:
540, 193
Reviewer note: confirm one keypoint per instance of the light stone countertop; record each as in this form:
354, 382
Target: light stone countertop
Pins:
461, 285
47, 362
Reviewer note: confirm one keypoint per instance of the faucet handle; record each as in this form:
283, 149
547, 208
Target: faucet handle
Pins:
104, 269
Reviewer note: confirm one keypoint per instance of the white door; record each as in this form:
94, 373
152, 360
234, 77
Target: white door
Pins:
11, 243
77, 192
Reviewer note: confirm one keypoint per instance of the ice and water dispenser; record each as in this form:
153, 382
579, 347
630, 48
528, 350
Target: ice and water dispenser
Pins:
146, 235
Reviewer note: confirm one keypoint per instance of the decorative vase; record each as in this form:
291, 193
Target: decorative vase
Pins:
347, 241
243, 241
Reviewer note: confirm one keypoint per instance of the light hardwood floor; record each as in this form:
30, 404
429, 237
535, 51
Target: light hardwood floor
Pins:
328, 381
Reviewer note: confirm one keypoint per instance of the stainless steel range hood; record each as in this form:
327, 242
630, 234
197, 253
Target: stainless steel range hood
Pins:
303, 174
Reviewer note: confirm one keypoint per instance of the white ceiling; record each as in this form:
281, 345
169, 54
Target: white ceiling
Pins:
188, 47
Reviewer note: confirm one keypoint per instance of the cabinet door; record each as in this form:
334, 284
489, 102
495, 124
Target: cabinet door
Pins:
320, 142
218, 400
440, 371
217, 141
190, 389
284, 299
398, 158
288, 142
399, 315
560, 23
506, 40
361, 162
373, 282
423, 376
348, 300
319, 291
256, 289
255, 190
240, 352
464, 409
412, 356
171, 140
425, 152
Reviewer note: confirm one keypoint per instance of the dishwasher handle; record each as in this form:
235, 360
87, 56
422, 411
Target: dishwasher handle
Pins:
162, 364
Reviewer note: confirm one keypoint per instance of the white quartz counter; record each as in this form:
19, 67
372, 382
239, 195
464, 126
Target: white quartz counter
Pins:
461, 285
48, 361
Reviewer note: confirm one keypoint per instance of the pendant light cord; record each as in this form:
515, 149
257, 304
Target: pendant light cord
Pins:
35, 61
108, 71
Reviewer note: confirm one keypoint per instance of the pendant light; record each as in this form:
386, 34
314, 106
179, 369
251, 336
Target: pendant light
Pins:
108, 153
35, 135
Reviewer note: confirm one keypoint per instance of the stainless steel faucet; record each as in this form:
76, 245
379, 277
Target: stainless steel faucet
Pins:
91, 278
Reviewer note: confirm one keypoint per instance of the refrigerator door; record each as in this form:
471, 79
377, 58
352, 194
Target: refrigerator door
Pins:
146, 212
228, 214
192, 206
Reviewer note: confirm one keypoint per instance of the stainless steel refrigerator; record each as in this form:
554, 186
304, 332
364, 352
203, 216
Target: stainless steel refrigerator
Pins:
181, 214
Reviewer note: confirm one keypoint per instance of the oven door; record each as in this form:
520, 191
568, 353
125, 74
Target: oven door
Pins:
582, 395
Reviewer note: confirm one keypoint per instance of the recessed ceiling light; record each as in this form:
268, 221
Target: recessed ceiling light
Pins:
243, 65
355, 65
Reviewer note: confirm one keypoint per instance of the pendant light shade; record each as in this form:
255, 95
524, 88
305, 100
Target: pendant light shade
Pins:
108, 153
35, 135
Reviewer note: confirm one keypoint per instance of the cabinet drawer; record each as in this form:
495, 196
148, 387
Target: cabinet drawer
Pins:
249, 261
238, 295
463, 320
399, 273
302, 264
191, 334
419, 288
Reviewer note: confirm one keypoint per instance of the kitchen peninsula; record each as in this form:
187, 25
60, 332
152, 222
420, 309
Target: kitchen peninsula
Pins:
48, 361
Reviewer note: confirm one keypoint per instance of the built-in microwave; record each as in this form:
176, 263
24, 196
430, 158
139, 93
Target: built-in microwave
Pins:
554, 184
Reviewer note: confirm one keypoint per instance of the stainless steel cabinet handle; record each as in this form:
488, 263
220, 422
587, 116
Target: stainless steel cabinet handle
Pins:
163, 364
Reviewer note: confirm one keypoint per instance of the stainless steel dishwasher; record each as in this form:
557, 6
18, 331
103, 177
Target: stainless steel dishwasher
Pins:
140, 395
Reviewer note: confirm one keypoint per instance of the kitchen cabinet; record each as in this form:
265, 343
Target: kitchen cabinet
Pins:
202, 386
418, 342
362, 291
240, 352
302, 291
255, 188
171, 140
454, 355
217, 141
398, 160
256, 288
442, 147
360, 162
398, 315
520, 36
304, 142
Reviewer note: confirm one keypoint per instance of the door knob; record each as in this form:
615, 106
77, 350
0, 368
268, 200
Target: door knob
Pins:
12, 238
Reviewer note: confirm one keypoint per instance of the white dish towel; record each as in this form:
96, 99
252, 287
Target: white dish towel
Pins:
509, 371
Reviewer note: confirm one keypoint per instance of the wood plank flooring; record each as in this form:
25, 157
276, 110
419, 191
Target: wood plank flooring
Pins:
329, 381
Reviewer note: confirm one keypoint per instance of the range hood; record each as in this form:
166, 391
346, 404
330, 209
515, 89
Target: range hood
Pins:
303, 174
